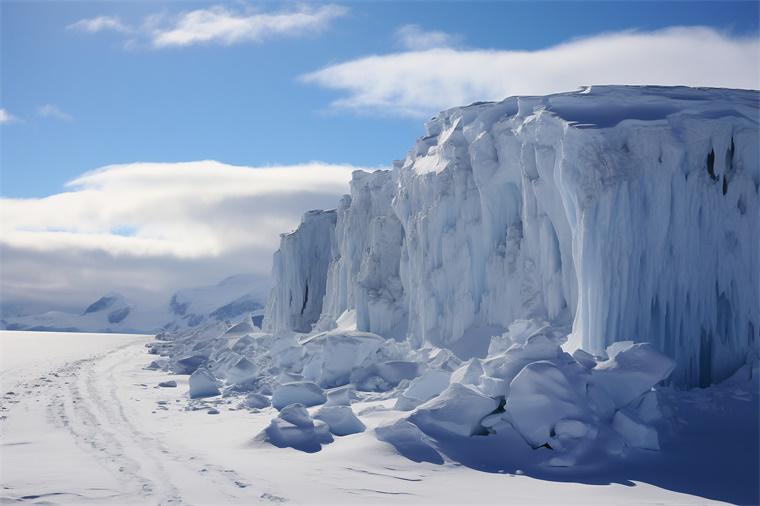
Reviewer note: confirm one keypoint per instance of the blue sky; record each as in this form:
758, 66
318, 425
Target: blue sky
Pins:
151, 146
243, 103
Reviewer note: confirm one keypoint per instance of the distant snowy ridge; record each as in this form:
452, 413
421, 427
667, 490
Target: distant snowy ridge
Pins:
629, 213
230, 301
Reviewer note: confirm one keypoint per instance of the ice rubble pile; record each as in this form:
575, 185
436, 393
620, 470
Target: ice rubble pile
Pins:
624, 219
573, 404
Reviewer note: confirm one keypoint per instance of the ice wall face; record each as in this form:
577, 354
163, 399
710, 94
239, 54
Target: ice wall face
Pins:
299, 270
364, 270
632, 212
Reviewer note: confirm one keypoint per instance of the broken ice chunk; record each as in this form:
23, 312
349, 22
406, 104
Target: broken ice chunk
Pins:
631, 371
341, 420
303, 392
540, 396
459, 410
203, 384
635, 432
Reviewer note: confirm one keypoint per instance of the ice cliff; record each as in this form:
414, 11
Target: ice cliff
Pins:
625, 213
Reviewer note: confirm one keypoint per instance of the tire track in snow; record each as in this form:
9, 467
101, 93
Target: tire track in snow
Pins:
73, 409
90, 406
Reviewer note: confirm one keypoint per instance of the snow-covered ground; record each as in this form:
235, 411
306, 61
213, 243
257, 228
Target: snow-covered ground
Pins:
84, 421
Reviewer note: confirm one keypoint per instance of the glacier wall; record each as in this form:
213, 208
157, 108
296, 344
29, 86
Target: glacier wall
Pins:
631, 213
299, 270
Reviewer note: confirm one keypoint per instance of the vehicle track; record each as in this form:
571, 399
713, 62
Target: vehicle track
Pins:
88, 403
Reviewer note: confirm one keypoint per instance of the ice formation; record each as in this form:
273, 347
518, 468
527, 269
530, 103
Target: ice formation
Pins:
203, 384
341, 420
295, 428
534, 268
629, 212
301, 392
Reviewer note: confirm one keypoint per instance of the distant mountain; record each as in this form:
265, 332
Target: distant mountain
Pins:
229, 300
226, 300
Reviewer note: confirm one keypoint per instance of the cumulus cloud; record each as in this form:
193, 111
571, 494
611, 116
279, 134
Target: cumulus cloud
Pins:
147, 229
53, 111
6, 117
218, 25
422, 82
414, 38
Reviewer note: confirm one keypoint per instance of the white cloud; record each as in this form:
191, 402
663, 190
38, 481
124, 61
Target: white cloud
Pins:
219, 25
53, 111
419, 83
6, 117
99, 24
414, 38
146, 229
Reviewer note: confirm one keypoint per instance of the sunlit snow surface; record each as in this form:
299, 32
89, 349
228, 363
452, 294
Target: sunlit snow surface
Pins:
86, 423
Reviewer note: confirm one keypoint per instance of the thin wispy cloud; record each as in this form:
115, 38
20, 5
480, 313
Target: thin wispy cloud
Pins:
146, 229
100, 24
422, 82
54, 112
415, 38
6, 117
221, 25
